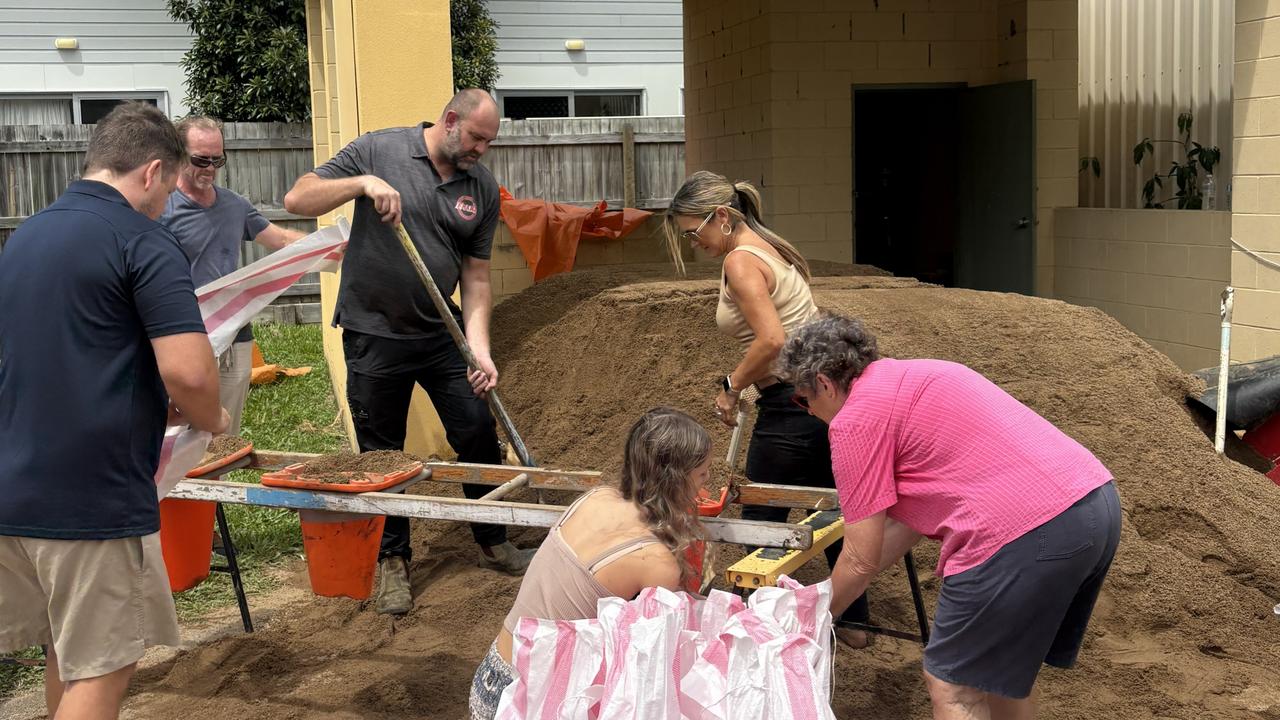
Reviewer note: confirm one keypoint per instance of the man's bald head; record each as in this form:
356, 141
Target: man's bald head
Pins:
469, 102
470, 123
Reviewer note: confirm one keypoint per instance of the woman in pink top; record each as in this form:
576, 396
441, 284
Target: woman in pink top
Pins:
1028, 518
613, 542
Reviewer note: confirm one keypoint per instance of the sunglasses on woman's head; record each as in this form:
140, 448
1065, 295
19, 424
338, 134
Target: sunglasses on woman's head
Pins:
800, 400
204, 161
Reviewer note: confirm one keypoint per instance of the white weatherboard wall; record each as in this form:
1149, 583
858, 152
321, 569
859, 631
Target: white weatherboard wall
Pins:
630, 45
126, 46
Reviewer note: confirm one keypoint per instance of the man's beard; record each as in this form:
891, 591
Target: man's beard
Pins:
201, 182
453, 151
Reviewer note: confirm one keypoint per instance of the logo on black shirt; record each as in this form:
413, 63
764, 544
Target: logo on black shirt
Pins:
466, 207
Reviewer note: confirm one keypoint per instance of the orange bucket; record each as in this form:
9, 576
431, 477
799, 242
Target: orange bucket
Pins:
186, 541
342, 552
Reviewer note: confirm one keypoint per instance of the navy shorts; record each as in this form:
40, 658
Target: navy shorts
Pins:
1028, 604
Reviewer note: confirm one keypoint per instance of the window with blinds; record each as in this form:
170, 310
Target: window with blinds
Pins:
73, 109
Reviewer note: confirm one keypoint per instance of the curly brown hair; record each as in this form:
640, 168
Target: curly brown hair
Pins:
662, 448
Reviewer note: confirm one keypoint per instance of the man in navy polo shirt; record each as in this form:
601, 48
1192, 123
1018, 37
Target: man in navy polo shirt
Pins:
428, 177
100, 338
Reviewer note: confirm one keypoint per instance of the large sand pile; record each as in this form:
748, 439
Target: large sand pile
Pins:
1184, 629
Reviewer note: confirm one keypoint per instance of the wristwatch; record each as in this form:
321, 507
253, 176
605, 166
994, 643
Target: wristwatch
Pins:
728, 385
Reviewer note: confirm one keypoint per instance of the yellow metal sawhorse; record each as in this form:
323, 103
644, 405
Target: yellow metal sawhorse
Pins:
764, 566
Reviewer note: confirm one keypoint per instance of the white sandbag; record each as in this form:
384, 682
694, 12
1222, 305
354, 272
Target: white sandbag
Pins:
670, 656
567, 658
231, 301
181, 450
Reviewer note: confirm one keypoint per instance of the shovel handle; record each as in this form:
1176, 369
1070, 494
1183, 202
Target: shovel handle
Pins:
749, 395
735, 442
877, 630
21, 662
442, 308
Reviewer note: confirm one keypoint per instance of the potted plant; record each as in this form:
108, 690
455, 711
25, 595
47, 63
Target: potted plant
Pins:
1190, 193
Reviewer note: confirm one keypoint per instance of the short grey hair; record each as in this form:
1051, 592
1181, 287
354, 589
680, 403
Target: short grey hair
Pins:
204, 122
832, 345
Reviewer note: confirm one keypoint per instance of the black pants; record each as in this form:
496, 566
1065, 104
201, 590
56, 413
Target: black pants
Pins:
790, 447
381, 373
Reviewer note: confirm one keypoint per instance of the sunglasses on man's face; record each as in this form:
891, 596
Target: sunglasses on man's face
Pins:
204, 161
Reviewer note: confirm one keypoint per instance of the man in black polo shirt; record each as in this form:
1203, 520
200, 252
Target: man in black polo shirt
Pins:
426, 176
100, 336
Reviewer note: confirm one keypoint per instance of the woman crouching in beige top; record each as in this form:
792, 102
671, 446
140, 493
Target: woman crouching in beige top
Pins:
612, 542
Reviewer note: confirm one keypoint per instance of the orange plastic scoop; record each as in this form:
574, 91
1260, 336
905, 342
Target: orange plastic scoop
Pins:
707, 507
294, 476
220, 463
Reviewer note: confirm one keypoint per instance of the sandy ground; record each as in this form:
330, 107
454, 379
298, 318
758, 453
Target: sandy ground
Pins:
1184, 628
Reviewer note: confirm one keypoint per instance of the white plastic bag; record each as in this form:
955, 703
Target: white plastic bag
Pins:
792, 686
181, 451
704, 687
230, 302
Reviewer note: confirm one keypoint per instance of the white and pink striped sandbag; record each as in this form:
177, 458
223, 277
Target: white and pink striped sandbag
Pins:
228, 304
672, 656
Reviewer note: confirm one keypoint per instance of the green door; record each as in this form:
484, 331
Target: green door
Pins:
995, 246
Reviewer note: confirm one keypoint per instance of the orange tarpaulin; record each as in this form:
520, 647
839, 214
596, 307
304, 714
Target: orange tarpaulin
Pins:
548, 233
264, 372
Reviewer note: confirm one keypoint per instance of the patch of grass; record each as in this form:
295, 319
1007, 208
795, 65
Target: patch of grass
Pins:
295, 414
15, 678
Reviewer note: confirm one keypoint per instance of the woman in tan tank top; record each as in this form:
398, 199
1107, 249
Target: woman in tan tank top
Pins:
613, 542
764, 294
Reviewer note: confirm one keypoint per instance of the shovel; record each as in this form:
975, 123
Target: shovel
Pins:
749, 395
731, 492
442, 308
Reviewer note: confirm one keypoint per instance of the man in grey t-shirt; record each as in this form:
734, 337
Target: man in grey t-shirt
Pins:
211, 223
428, 177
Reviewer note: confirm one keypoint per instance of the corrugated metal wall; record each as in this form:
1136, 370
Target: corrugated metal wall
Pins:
1142, 62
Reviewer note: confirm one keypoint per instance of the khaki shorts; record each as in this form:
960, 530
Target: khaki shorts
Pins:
99, 603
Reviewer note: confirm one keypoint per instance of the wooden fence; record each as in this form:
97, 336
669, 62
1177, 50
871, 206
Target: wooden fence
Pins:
635, 162
629, 162
37, 162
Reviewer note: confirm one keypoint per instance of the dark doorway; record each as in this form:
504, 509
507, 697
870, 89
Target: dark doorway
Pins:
944, 184
905, 154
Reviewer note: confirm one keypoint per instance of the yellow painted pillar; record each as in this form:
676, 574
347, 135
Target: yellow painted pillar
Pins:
375, 64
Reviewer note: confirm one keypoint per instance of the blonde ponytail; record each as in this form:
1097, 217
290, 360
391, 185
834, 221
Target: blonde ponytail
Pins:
752, 208
706, 191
